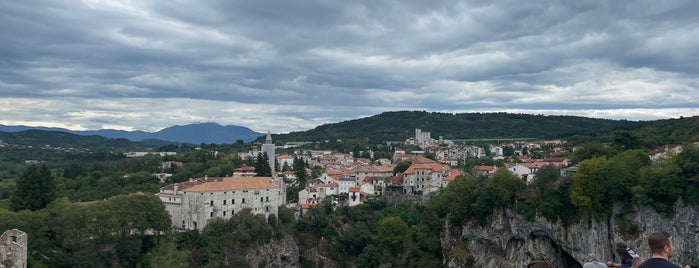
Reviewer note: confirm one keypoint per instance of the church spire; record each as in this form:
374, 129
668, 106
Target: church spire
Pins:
268, 140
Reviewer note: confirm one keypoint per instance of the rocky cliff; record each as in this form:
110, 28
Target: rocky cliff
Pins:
509, 240
283, 252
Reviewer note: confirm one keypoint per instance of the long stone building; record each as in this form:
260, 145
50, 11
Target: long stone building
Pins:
194, 203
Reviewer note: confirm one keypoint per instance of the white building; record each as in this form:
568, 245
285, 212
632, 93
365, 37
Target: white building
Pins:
345, 183
423, 178
422, 138
193, 204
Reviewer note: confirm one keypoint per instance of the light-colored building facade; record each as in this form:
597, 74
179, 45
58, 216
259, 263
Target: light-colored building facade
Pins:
268, 147
193, 204
423, 178
13, 249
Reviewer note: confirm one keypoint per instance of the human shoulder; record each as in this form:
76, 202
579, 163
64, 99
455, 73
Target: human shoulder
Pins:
657, 263
594, 264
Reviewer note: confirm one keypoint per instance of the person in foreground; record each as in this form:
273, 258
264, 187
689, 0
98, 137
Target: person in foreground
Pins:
592, 262
660, 244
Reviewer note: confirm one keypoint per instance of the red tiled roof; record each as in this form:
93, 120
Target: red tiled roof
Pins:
484, 168
233, 183
451, 174
332, 184
433, 167
245, 168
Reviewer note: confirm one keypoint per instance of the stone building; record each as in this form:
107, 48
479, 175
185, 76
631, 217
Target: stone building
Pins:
13, 249
193, 204
268, 147
424, 178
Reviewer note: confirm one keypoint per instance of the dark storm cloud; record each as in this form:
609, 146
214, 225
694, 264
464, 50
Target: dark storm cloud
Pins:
297, 64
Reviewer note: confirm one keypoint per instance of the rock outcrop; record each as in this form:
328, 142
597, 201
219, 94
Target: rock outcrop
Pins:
283, 252
509, 240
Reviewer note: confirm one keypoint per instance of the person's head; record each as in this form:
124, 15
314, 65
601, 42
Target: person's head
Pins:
660, 243
621, 251
539, 264
591, 257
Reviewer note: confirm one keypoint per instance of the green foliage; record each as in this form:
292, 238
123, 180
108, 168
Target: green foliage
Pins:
391, 126
590, 187
391, 234
591, 150
35, 189
464, 199
262, 166
402, 166
59, 139
545, 177
504, 187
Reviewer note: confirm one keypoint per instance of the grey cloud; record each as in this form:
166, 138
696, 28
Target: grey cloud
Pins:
348, 59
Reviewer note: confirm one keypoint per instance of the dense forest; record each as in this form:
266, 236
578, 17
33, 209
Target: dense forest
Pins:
397, 126
90, 206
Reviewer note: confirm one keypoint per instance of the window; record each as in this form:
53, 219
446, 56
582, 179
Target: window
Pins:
232, 201
224, 213
262, 199
268, 199
224, 202
267, 208
211, 214
232, 211
243, 201
211, 203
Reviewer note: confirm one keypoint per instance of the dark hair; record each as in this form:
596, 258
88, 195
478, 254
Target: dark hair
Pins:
539, 264
621, 250
658, 240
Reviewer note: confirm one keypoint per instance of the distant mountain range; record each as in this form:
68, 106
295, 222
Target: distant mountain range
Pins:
192, 133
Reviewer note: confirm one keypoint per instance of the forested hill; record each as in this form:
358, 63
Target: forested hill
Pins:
397, 126
67, 140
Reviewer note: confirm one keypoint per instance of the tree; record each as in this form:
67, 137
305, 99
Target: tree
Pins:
545, 176
392, 233
508, 151
589, 191
262, 167
401, 166
316, 171
35, 189
625, 140
591, 150
300, 172
504, 187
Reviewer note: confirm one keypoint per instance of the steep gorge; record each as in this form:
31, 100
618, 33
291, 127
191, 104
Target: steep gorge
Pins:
509, 240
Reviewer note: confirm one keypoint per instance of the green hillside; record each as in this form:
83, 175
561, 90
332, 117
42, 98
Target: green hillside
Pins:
400, 125
68, 140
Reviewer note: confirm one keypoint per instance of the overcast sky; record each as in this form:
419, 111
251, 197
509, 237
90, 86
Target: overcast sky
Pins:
293, 65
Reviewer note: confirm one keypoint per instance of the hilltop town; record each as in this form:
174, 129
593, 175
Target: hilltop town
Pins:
345, 180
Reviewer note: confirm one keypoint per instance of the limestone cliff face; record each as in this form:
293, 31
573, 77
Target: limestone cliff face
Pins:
509, 240
278, 253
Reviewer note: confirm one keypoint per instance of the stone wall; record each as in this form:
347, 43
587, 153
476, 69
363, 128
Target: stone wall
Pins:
13, 249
